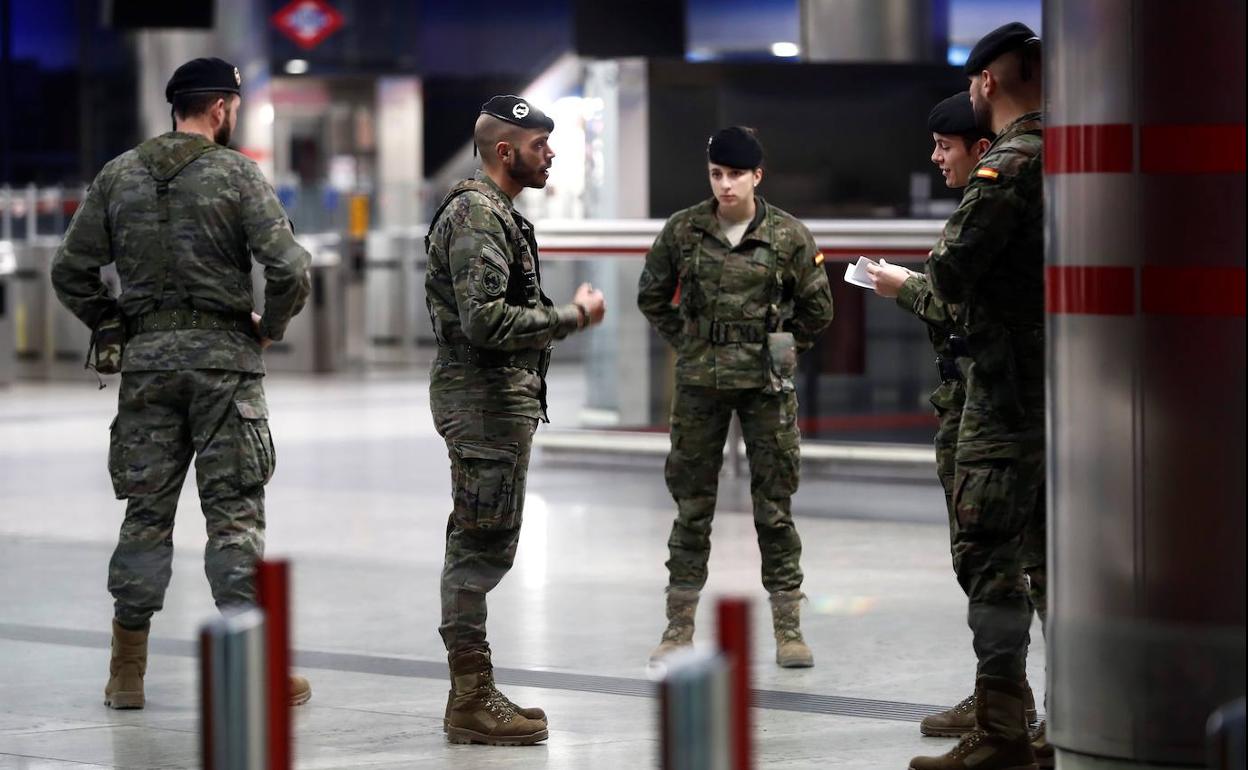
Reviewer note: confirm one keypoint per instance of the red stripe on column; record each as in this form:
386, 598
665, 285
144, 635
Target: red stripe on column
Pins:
1089, 290
1199, 291
1104, 149
1192, 149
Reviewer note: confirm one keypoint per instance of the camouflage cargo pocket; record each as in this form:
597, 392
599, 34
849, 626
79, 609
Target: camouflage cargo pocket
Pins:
984, 495
257, 459
484, 479
117, 461
779, 362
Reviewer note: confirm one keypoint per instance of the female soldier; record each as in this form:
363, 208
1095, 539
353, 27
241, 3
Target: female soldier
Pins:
752, 295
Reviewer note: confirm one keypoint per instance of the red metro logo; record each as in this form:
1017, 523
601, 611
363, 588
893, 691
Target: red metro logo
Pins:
307, 22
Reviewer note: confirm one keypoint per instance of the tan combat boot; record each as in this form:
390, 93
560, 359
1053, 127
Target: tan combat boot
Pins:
300, 690
999, 740
791, 649
956, 721
1041, 747
682, 606
126, 668
534, 713
479, 713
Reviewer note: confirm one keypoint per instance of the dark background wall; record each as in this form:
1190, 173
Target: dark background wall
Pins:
67, 100
841, 140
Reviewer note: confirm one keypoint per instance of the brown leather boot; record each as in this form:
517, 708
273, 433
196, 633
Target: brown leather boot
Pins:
1041, 747
126, 668
300, 690
999, 740
479, 713
534, 713
682, 606
956, 721
786, 621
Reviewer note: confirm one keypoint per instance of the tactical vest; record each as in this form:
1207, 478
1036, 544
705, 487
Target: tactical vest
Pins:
524, 275
695, 304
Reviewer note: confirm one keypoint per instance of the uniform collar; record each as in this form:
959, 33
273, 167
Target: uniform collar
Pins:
495, 191
704, 219
1025, 123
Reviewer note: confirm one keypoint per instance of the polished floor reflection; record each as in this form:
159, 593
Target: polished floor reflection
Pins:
359, 505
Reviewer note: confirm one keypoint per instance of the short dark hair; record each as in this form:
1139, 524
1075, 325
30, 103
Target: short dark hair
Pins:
970, 139
195, 104
1030, 62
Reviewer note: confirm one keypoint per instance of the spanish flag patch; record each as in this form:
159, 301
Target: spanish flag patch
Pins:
818, 257
986, 173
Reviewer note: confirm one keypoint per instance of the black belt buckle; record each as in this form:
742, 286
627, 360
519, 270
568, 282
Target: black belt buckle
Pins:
958, 347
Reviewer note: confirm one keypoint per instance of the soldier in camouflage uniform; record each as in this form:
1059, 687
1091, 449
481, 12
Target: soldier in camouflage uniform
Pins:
959, 143
182, 217
990, 262
487, 390
753, 294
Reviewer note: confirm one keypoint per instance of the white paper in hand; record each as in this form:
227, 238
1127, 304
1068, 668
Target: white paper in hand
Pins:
856, 273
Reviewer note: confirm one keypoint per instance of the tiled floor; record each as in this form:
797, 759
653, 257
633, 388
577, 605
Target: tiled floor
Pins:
359, 504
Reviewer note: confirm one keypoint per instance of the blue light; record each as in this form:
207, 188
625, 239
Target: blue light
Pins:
958, 54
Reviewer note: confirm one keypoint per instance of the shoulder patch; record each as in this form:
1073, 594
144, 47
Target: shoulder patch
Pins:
818, 257
987, 173
493, 282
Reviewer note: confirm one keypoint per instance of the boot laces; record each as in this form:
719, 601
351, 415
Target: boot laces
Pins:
967, 744
497, 693
966, 706
498, 706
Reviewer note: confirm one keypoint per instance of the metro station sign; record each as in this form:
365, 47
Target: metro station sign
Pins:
307, 22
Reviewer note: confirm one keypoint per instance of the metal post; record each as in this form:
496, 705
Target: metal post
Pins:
233, 691
273, 596
734, 643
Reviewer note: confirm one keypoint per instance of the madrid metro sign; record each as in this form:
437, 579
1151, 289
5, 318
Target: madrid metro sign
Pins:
307, 22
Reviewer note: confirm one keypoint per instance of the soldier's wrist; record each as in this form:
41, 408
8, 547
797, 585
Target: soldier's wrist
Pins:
582, 316
568, 319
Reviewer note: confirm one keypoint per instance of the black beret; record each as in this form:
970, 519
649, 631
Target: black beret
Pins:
517, 111
955, 117
203, 76
735, 147
1000, 41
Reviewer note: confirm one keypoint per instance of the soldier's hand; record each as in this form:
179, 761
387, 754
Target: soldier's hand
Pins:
591, 301
255, 323
888, 278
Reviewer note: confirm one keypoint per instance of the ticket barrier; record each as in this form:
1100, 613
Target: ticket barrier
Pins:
315, 340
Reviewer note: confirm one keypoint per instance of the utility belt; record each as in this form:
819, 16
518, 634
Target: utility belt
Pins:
948, 365
533, 360
188, 318
727, 331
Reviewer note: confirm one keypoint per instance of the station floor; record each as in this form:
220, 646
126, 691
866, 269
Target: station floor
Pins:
359, 505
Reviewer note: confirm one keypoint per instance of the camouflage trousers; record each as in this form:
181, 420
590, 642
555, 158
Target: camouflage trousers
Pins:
164, 419
699, 427
946, 442
489, 466
999, 552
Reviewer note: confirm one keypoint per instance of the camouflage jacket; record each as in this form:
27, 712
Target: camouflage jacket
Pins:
222, 213
990, 260
483, 290
773, 280
916, 296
